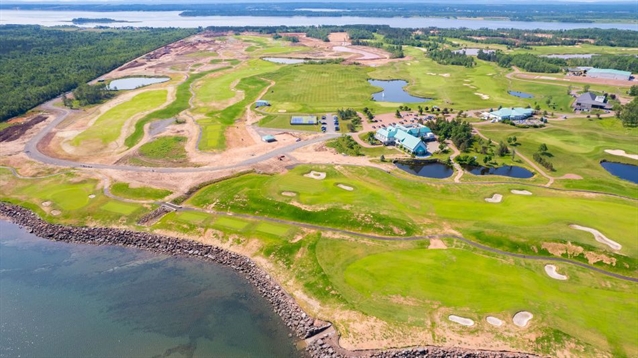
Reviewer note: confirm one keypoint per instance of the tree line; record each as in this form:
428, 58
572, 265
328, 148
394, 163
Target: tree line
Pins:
40, 63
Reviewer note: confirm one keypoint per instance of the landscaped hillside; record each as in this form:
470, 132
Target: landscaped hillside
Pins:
40, 63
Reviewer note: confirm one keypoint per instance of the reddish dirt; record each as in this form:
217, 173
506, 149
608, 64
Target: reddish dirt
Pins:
576, 79
14, 132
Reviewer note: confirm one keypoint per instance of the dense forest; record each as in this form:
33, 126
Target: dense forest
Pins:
575, 12
39, 63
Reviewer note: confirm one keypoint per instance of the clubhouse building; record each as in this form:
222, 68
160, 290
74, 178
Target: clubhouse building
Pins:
513, 114
588, 101
408, 138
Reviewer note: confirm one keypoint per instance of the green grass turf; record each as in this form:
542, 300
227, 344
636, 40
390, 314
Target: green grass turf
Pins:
181, 103
143, 193
518, 224
192, 217
108, 126
229, 223
120, 208
273, 229
595, 310
165, 148
220, 88
319, 88
457, 89
577, 146
214, 125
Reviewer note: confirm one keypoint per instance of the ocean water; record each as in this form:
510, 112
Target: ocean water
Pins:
73, 300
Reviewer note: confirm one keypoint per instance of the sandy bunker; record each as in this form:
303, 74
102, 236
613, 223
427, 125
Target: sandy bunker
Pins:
621, 153
550, 270
345, 187
521, 192
461, 320
288, 193
598, 236
494, 321
496, 198
316, 175
522, 318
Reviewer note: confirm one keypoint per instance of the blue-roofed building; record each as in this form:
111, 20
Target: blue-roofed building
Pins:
268, 139
609, 74
262, 103
514, 114
408, 138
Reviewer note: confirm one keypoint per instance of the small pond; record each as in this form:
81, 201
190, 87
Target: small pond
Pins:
520, 94
285, 61
135, 82
393, 92
428, 169
511, 171
623, 171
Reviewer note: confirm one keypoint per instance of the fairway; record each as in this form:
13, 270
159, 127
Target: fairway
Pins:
108, 127
319, 88
441, 282
191, 217
120, 208
228, 223
273, 229
145, 193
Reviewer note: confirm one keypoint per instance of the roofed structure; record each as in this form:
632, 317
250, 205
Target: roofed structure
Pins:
609, 74
513, 114
588, 101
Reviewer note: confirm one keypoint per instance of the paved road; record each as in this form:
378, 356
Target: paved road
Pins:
31, 149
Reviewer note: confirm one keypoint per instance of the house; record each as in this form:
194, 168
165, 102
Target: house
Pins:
262, 103
409, 138
609, 74
514, 114
589, 101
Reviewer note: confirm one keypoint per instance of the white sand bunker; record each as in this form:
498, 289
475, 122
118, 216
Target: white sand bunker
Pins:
522, 318
483, 96
496, 198
345, 187
494, 321
550, 270
282, 111
316, 175
621, 153
288, 193
92, 196
46, 203
461, 320
55, 212
598, 236
521, 192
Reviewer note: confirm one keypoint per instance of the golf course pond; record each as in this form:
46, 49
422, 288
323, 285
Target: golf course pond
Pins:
393, 92
130, 83
622, 170
426, 168
284, 60
520, 94
75, 300
511, 171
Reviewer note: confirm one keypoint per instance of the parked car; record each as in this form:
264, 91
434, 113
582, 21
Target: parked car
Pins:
337, 128
323, 117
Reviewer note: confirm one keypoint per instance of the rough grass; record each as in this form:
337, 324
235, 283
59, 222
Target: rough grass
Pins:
455, 86
140, 193
577, 146
181, 103
169, 149
108, 127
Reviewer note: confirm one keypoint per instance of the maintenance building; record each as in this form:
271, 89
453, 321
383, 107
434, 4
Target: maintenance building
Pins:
609, 74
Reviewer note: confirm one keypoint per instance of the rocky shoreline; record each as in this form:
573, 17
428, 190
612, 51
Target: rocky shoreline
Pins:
283, 304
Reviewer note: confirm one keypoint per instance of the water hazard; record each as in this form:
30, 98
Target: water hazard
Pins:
135, 82
511, 171
428, 169
520, 94
393, 92
621, 170
72, 300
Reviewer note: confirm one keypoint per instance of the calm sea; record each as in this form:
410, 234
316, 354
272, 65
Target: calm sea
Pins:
71, 300
172, 19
